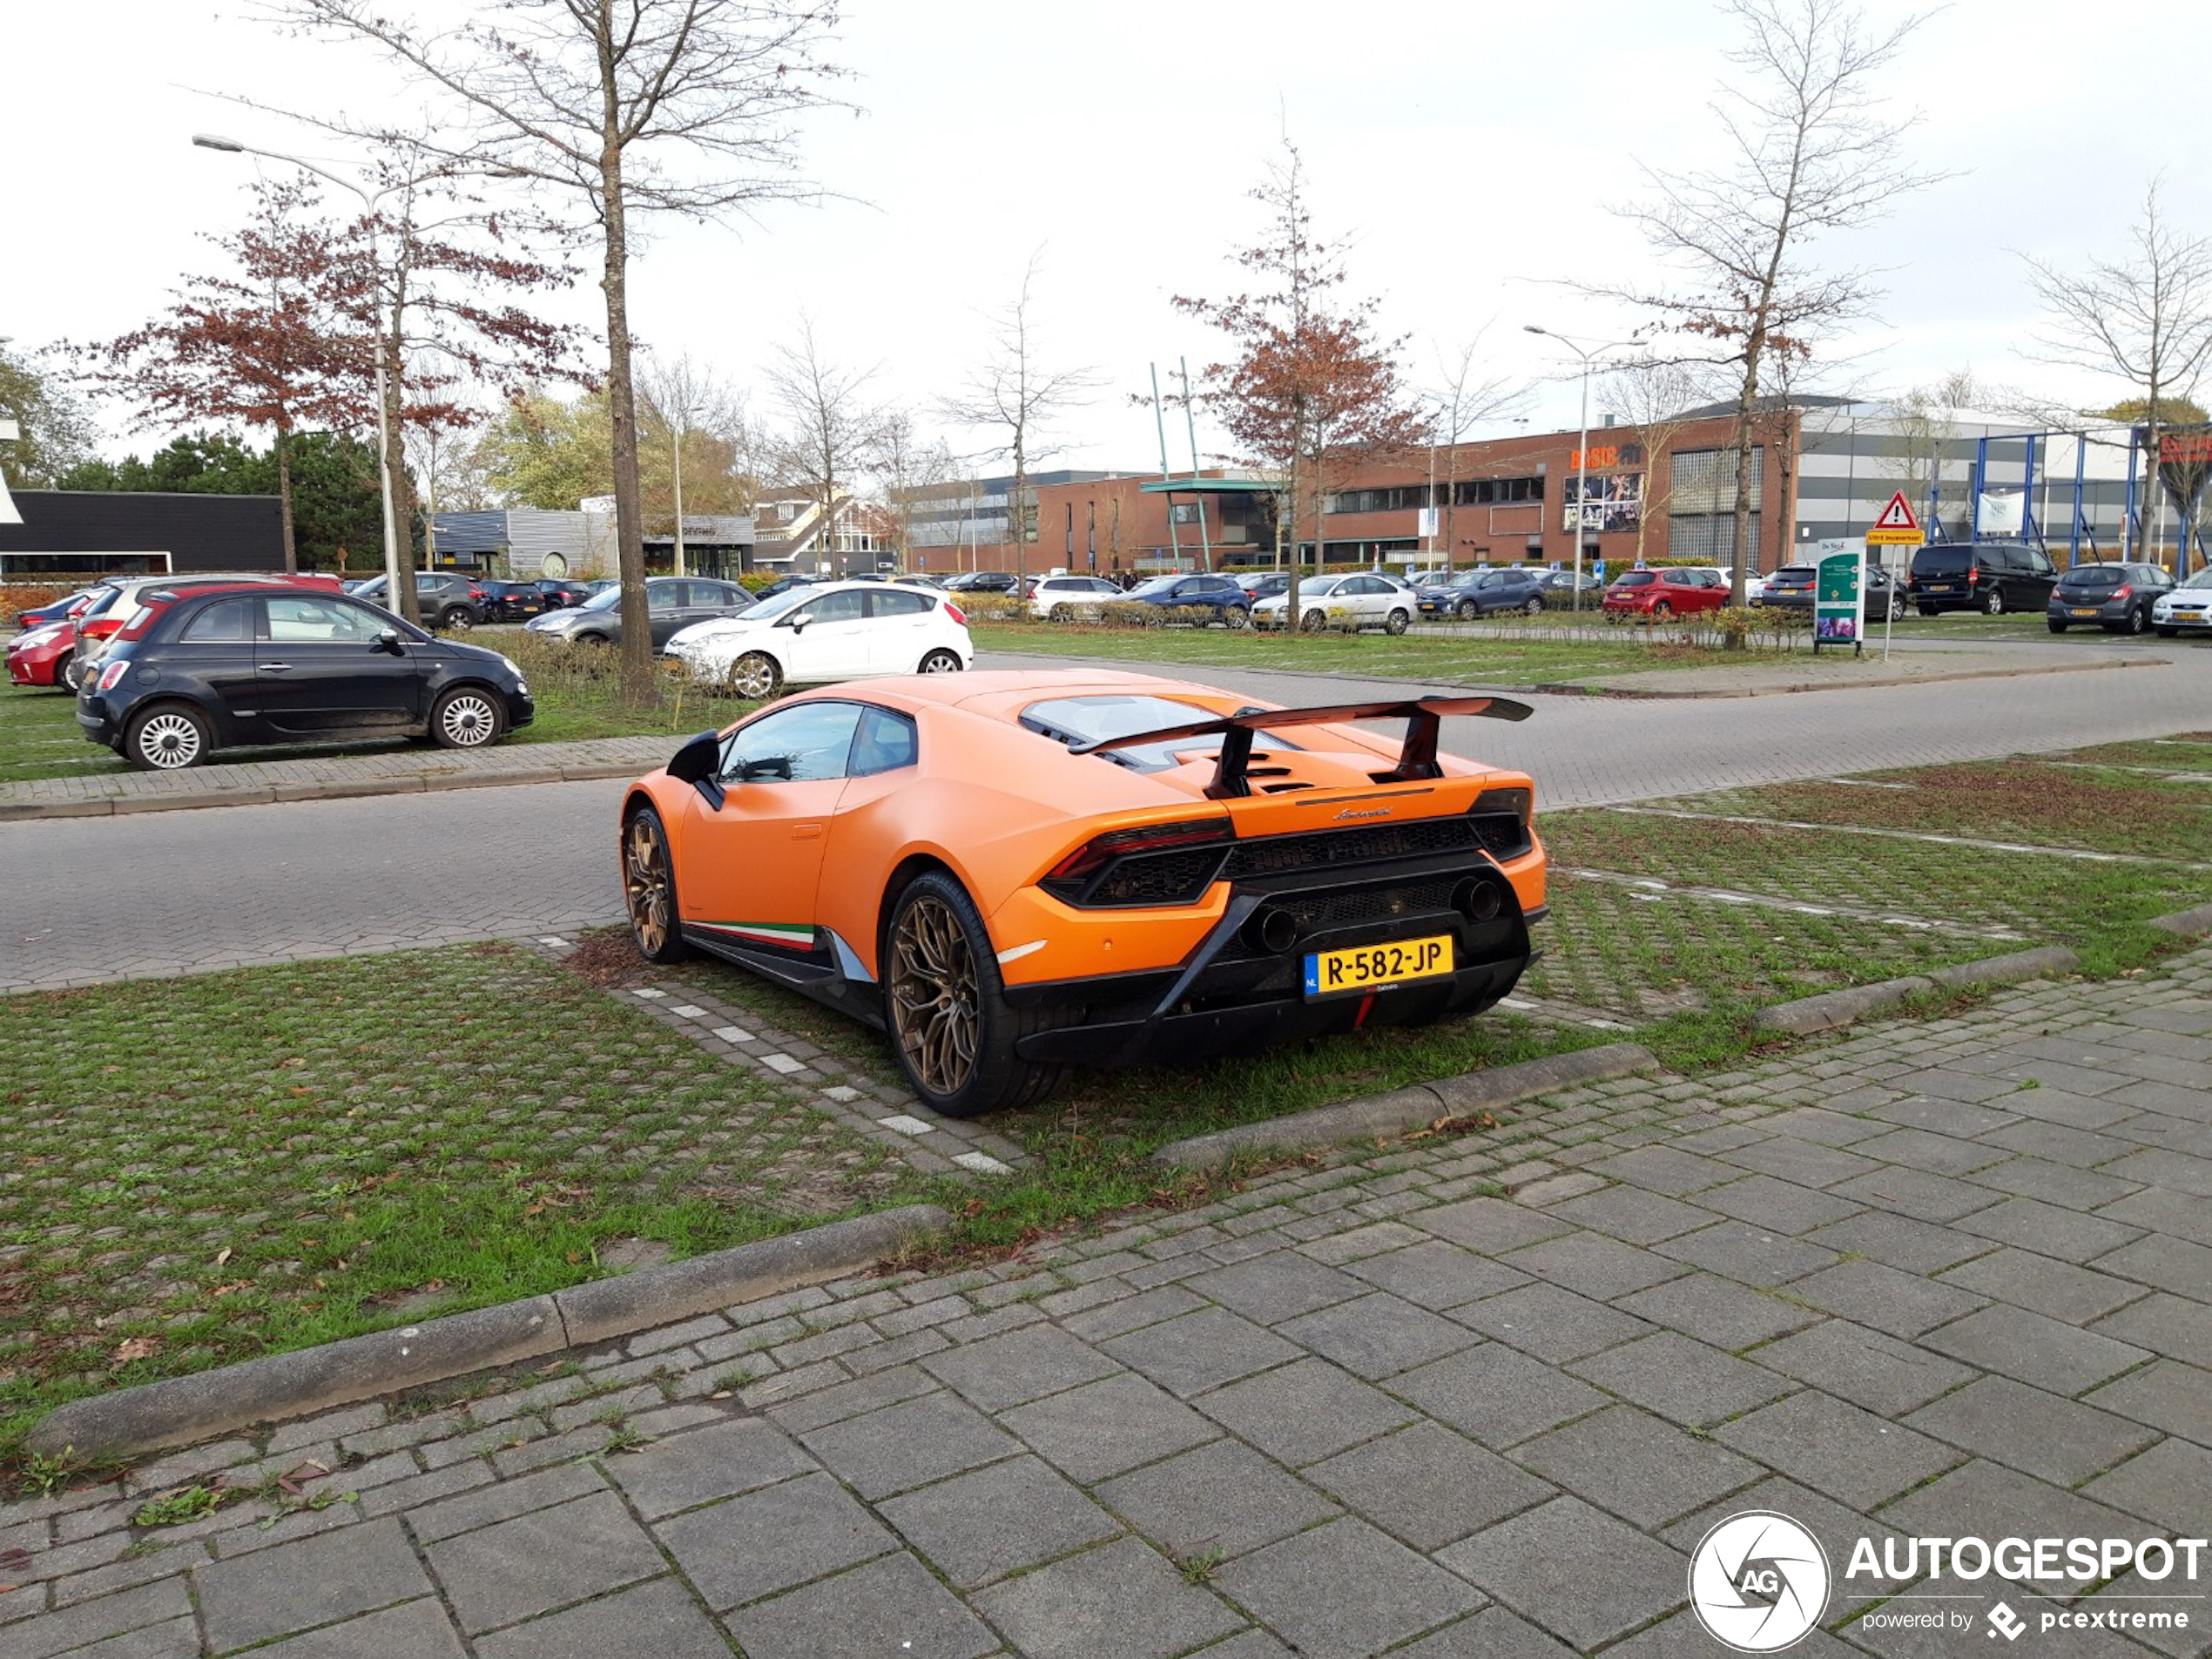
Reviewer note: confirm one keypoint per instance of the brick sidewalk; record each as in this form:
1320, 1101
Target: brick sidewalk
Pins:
1946, 1278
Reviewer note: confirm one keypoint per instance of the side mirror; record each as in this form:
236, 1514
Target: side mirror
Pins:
697, 762
389, 640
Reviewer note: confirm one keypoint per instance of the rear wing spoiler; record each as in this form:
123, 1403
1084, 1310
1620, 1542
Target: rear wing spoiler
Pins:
1417, 759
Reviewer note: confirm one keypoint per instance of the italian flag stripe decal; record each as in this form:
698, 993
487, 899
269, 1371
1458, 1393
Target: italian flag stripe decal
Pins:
798, 935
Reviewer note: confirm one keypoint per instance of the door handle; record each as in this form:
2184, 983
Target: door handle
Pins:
274, 668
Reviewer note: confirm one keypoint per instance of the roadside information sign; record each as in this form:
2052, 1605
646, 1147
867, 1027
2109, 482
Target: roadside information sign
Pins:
1839, 595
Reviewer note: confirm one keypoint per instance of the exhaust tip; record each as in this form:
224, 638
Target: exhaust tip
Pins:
1270, 929
1478, 900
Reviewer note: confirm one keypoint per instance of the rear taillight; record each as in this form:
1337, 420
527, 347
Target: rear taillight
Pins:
2123, 590
1145, 838
955, 613
1973, 574
1517, 801
101, 627
111, 676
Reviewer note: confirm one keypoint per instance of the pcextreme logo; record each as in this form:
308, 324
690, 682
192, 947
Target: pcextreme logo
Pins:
1759, 1582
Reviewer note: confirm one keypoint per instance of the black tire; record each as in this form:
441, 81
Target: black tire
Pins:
756, 676
71, 677
167, 737
1661, 611
940, 662
1312, 622
1533, 608
467, 717
1468, 610
1397, 623
2139, 619
1236, 617
456, 619
945, 1009
1993, 602
649, 889
1061, 613
2058, 624
594, 639
1927, 611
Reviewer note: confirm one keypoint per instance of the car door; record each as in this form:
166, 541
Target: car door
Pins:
826, 639
747, 870
2038, 577
320, 666
1367, 596
896, 633
215, 648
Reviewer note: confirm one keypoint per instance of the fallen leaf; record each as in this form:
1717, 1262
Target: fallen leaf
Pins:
132, 1348
223, 1255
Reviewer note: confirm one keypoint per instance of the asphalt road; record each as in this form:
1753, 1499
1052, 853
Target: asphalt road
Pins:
95, 898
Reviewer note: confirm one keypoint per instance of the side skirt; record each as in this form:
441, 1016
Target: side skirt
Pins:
814, 974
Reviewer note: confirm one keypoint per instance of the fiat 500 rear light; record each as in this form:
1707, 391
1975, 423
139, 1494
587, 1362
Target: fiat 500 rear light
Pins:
111, 676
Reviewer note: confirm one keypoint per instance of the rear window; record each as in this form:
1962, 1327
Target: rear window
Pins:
2093, 576
1941, 560
1085, 719
1796, 573
1637, 579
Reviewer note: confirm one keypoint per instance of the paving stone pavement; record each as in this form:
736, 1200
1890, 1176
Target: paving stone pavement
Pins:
1471, 1397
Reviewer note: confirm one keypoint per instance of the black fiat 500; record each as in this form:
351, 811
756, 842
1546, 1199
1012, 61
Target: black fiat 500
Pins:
206, 670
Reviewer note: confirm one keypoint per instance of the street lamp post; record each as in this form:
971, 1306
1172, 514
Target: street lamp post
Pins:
212, 141
1583, 444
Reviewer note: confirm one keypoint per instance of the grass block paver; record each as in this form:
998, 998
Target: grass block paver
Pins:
1553, 1325
892, 1598
1853, 1455
1344, 1590
1887, 1377
1222, 1497
1105, 1428
275, 1591
745, 1548
1121, 1598
1643, 1470
534, 1562
980, 1527
1573, 1571
1304, 1412
1427, 1485
2009, 1422
906, 1444
659, 1618
2035, 1348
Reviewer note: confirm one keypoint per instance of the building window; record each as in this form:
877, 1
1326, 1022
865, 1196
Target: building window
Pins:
1704, 480
1489, 492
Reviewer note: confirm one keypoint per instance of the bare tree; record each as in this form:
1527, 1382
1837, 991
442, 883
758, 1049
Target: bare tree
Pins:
2147, 317
831, 427
1460, 398
1654, 394
916, 472
1809, 151
697, 445
1928, 425
1016, 396
620, 108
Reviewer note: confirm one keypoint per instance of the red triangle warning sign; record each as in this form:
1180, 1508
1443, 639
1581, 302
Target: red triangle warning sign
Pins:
1897, 516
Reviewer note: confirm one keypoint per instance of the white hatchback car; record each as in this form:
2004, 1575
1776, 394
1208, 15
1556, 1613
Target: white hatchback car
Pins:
1361, 600
1063, 598
828, 630
2187, 607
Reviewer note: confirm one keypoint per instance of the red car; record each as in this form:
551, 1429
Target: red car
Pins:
35, 658
1659, 594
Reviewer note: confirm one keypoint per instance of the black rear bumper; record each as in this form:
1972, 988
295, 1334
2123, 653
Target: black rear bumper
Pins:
1236, 996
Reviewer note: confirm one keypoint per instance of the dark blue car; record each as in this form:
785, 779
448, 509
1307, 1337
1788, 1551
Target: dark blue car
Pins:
1229, 604
1483, 593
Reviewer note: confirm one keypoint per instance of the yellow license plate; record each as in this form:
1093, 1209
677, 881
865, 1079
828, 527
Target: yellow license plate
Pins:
2085, 611
1377, 968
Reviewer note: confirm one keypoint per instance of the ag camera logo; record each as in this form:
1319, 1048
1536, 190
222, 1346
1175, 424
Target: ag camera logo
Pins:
1758, 1582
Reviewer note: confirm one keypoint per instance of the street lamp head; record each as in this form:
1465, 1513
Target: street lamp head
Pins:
1531, 329
215, 141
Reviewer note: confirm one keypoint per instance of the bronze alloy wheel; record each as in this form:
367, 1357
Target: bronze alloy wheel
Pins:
933, 997
649, 888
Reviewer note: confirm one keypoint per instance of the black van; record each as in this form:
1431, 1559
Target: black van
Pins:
1991, 576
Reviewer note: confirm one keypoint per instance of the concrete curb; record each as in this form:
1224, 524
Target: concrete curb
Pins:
1655, 693
1811, 1015
182, 1410
328, 789
2192, 923
1405, 1109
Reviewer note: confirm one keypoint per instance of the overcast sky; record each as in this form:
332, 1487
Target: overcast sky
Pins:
1467, 151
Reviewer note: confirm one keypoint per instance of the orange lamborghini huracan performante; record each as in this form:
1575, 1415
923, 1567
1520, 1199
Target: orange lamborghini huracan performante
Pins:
1013, 873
